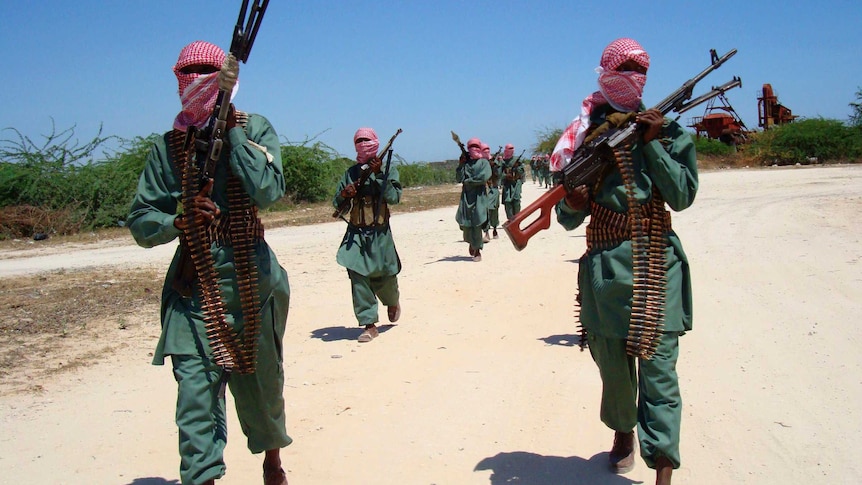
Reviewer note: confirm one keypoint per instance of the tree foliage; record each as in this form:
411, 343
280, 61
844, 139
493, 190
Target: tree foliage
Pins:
546, 140
856, 115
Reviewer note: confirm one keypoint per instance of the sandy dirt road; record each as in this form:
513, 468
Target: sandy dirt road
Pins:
480, 382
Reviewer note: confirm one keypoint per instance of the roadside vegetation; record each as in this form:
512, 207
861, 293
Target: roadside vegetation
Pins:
57, 186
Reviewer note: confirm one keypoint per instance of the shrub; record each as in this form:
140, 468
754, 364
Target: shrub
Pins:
311, 173
709, 147
814, 140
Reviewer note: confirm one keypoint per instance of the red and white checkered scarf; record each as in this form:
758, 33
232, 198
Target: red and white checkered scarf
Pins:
486, 151
366, 150
620, 89
198, 92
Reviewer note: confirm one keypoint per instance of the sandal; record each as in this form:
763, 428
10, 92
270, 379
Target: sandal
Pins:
368, 335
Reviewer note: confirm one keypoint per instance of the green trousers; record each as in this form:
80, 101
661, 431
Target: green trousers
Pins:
366, 290
512, 208
200, 414
642, 393
493, 218
473, 235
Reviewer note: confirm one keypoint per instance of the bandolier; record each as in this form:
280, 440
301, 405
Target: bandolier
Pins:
647, 226
238, 227
368, 209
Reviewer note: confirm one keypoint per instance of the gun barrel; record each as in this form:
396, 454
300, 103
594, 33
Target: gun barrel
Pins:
735, 82
244, 35
676, 100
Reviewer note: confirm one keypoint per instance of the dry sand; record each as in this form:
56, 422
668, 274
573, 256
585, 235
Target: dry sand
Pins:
480, 381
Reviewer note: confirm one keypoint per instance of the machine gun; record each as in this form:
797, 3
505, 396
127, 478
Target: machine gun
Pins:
203, 150
344, 206
209, 143
493, 181
592, 157
494, 157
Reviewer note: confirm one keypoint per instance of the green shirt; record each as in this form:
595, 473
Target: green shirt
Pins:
605, 276
512, 188
370, 251
151, 222
473, 206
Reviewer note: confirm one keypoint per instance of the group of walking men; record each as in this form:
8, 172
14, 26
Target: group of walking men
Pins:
486, 180
214, 215
540, 171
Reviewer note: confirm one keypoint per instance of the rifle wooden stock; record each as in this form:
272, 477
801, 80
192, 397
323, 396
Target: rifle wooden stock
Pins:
546, 203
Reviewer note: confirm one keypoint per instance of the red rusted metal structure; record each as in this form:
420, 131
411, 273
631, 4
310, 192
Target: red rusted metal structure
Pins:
720, 122
770, 112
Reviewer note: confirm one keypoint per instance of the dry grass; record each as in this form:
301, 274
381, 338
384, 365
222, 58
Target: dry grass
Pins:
59, 321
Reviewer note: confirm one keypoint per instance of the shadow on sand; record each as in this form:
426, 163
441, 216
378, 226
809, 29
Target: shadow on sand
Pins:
526, 468
332, 334
153, 481
565, 339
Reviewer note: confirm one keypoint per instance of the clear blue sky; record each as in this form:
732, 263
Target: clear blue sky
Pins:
499, 70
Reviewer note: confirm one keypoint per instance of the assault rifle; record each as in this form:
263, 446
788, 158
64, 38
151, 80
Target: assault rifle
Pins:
344, 206
494, 157
510, 172
591, 158
209, 143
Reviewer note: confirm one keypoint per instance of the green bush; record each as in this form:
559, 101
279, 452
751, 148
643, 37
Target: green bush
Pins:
311, 173
708, 146
424, 174
814, 140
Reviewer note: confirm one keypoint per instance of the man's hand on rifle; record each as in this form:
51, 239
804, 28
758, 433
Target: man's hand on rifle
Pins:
375, 164
348, 192
652, 121
201, 210
577, 199
230, 122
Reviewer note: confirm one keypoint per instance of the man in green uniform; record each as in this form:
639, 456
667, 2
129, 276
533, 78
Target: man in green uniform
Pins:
513, 179
493, 198
247, 176
640, 384
472, 173
545, 172
534, 169
368, 249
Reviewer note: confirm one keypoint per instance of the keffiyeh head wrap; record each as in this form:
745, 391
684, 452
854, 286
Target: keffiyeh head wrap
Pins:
474, 148
198, 92
508, 151
486, 151
366, 149
621, 89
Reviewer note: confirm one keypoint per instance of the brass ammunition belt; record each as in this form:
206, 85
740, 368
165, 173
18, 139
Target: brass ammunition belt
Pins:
220, 231
608, 229
647, 226
240, 229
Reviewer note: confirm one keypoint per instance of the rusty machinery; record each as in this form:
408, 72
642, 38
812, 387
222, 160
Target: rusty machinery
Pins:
770, 112
720, 122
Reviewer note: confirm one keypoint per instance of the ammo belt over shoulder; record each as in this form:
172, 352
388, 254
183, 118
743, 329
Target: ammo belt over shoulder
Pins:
241, 229
647, 226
